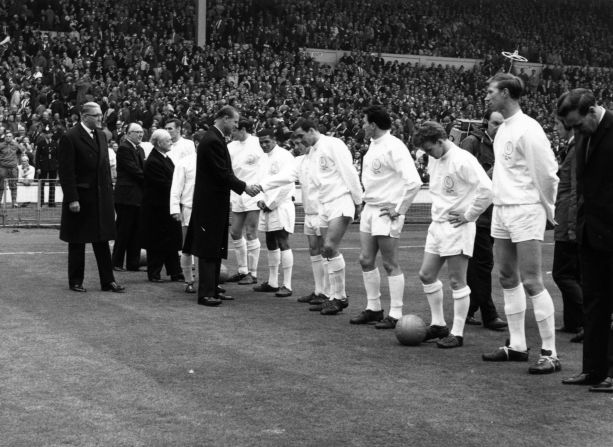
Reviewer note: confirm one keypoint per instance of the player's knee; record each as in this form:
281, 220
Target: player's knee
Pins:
456, 283
390, 266
366, 261
235, 234
508, 279
427, 277
533, 285
328, 251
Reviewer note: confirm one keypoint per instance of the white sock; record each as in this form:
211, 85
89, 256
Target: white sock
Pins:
372, 284
318, 273
253, 256
434, 293
336, 270
396, 286
544, 313
274, 259
461, 303
515, 310
326, 284
240, 249
186, 267
287, 264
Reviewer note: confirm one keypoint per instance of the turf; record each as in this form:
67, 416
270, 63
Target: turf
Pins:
151, 368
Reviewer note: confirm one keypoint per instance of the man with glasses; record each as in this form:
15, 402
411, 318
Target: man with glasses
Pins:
87, 210
181, 147
128, 199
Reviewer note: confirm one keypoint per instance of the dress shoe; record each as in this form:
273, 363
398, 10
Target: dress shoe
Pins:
223, 297
581, 379
220, 290
78, 288
606, 386
472, 321
497, 324
119, 269
209, 301
113, 287
578, 338
158, 280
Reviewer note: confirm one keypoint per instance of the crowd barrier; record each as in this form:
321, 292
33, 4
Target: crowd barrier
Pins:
32, 209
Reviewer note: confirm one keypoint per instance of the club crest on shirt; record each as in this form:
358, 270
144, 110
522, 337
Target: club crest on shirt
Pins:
325, 163
251, 159
274, 167
448, 184
375, 166
508, 150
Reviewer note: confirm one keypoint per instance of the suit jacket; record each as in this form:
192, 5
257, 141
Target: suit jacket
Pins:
85, 176
566, 201
130, 175
595, 187
160, 231
207, 234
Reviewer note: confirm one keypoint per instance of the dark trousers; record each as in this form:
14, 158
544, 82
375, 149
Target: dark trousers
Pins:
597, 285
479, 276
127, 241
208, 276
76, 262
49, 178
567, 276
158, 259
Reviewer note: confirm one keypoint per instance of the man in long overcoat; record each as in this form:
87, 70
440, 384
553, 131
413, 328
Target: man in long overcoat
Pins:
87, 210
207, 234
160, 231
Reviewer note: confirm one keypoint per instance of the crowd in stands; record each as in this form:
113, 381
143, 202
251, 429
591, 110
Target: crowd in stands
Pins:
138, 60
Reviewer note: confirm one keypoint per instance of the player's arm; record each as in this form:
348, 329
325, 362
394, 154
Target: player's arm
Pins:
286, 176
405, 166
273, 197
543, 169
176, 189
473, 172
342, 158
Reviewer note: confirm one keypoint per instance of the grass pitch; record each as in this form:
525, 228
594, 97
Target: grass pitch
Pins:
151, 368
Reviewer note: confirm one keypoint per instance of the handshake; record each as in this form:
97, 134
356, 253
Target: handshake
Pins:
253, 190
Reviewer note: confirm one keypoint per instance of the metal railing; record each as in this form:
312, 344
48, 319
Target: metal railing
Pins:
39, 203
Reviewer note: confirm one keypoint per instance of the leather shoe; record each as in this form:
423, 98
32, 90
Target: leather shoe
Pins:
581, 379
472, 321
606, 386
119, 269
78, 288
220, 290
221, 296
156, 280
113, 287
497, 324
209, 301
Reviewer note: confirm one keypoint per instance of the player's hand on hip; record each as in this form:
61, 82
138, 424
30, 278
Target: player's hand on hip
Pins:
75, 207
456, 219
388, 211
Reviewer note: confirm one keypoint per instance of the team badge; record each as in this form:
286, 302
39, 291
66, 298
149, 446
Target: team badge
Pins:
251, 159
325, 163
375, 166
274, 167
508, 150
448, 184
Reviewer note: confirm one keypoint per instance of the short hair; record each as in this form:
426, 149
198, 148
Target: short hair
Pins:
177, 122
131, 125
512, 83
88, 107
579, 99
378, 114
157, 135
304, 124
267, 133
226, 112
245, 123
429, 132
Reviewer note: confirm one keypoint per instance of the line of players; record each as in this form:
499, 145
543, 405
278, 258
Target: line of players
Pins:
523, 192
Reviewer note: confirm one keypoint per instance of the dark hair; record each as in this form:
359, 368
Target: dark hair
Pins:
304, 124
429, 132
579, 99
267, 133
226, 112
177, 122
513, 84
378, 114
245, 123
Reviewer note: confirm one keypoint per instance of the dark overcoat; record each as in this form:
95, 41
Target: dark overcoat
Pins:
130, 174
85, 176
207, 234
160, 232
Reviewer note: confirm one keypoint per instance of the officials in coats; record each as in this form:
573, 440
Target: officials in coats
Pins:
207, 234
593, 127
128, 199
161, 233
87, 210
47, 163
